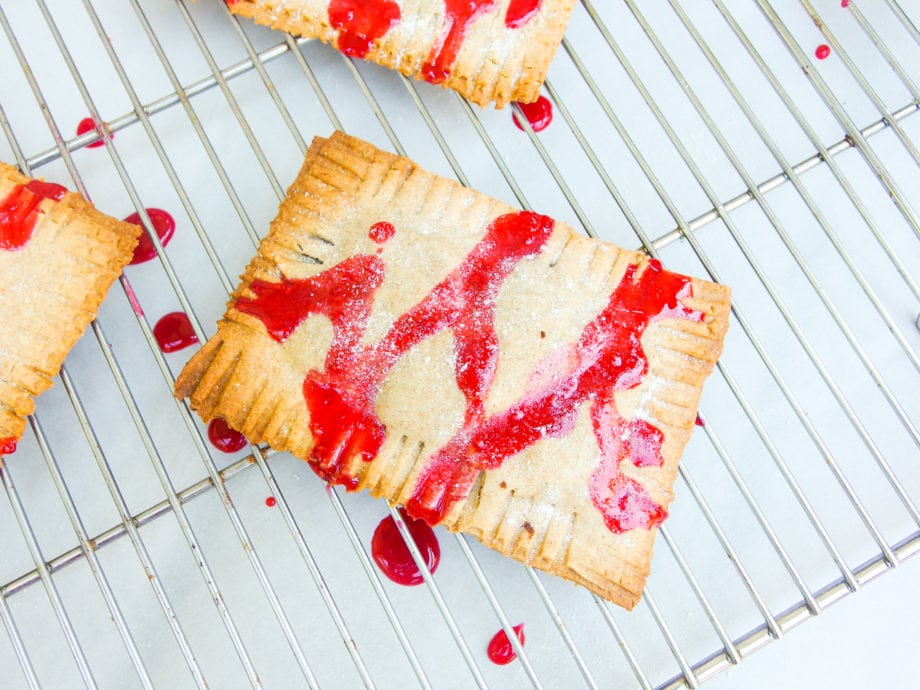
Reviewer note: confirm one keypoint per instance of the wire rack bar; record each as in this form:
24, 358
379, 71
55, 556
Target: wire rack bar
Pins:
845, 120
690, 672
797, 615
741, 319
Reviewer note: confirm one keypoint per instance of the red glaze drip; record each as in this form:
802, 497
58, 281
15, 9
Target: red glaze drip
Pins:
539, 114
381, 232
341, 398
271, 502
520, 12
20, 208
7, 446
844, 3
823, 51
607, 357
699, 421
361, 22
88, 125
165, 226
500, 650
223, 437
174, 332
459, 16
393, 557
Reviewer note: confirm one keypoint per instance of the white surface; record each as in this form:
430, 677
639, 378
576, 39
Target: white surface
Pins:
710, 516
866, 641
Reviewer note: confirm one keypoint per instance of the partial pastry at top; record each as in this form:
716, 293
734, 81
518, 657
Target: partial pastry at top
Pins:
58, 257
487, 368
487, 50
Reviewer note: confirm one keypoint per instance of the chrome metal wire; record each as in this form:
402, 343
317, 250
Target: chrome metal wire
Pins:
709, 602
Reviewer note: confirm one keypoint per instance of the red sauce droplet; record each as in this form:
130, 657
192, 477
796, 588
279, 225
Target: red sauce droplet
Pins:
393, 557
699, 421
459, 16
607, 357
174, 332
520, 12
88, 125
381, 232
500, 650
361, 22
822, 51
20, 208
271, 502
165, 227
224, 438
844, 3
7, 446
539, 114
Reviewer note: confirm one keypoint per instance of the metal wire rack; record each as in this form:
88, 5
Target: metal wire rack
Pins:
711, 134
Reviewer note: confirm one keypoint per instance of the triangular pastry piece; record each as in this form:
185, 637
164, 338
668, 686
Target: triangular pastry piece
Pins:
58, 258
485, 367
487, 50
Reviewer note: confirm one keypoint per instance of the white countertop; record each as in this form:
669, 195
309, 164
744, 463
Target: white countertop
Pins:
867, 640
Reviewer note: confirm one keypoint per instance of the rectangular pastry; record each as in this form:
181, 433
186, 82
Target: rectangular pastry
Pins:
487, 50
58, 257
486, 368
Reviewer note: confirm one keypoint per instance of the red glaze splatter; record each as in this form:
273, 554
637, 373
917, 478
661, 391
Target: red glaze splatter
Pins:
607, 357
7, 446
823, 51
393, 557
20, 208
539, 114
381, 232
361, 22
844, 3
271, 502
500, 650
165, 226
88, 125
459, 16
699, 421
223, 437
520, 12
174, 332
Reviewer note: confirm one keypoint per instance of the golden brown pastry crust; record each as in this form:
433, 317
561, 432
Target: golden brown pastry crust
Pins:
494, 63
50, 289
535, 506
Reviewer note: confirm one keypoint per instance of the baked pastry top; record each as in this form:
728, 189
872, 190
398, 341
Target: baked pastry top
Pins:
485, 367
58, 257
487, 50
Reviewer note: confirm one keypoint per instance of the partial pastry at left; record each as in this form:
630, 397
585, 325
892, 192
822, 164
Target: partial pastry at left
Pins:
58, 258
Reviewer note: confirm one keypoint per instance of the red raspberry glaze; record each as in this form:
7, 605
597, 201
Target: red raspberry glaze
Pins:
174, 332
500, 650
20, 208
823, 51
608, 356
165, 227
224, 438
7, 446
88, 125
361, 22
539, 114
393, 557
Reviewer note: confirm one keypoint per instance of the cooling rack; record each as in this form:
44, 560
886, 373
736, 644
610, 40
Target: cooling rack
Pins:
770, 146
